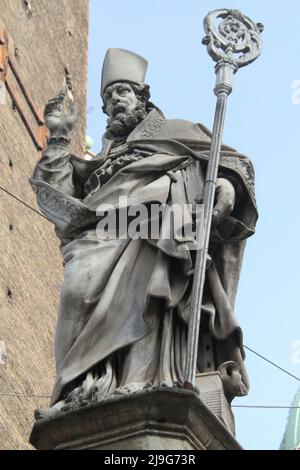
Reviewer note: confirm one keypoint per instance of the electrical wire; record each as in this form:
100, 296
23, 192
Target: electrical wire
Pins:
233, 406
273, 363
22, 202
23, 395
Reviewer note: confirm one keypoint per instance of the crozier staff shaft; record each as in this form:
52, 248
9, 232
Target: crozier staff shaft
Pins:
234, 43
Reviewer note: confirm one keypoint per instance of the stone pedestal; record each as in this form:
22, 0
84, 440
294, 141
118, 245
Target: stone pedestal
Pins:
154, 419
211, 390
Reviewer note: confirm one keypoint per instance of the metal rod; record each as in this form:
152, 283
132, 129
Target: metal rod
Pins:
233, 43
201, 256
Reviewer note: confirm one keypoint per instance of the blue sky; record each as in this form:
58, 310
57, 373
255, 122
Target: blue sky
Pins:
262, 122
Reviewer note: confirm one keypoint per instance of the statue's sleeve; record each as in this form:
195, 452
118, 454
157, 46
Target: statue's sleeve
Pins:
239, 170
57, 186
55, 169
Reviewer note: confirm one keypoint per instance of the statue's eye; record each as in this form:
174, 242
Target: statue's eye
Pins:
123, 91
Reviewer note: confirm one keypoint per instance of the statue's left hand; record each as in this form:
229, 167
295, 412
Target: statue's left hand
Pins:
225, 200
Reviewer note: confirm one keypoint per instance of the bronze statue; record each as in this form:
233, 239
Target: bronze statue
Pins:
125, 301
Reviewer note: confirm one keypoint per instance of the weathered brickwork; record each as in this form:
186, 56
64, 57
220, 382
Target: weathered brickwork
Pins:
43, 42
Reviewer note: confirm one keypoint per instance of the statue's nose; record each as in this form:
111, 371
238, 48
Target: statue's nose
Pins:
115, 98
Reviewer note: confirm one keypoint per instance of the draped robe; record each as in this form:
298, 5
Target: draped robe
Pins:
125, 303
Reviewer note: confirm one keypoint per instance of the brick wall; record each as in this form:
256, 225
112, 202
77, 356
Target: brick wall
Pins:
45, 38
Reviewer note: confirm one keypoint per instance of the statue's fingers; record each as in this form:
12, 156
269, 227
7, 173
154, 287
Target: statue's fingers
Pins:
72, 117
49, 106
56, 101
61, 95
222, 209
59, 98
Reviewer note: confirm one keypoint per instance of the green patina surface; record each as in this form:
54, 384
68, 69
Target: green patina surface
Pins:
291, 438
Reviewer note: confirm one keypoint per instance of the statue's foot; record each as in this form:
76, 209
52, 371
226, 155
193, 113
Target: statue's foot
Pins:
166, 384
73, 396
131, 388
42, 413
170, 384
75, 399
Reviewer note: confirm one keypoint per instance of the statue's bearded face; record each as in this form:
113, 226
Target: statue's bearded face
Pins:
124, 108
